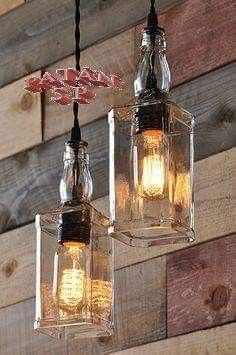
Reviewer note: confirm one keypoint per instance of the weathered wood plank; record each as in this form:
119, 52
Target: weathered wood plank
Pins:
7, 5
215, 200
215, 341
201, 289
196, 30
20, 114
210, 99
33, 176
43, 30
188, 23
17, 265
30, 180
115, 55
136, 322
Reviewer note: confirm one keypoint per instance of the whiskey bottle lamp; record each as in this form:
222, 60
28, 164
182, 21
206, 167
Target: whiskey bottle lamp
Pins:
74, 278
151, 155
74, 265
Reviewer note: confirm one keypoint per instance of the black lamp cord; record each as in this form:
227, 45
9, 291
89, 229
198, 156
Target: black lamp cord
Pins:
76, 132
152, 17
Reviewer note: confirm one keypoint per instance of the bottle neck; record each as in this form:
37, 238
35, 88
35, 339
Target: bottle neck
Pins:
76, 183
152, 76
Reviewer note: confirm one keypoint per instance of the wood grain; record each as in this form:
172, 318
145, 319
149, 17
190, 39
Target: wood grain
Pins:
198, 37
20, 114
215, 216
30, 180
201, 290
7, 5
17, 265
215, 211
136, 322
115, 55
210, 99
190, 34
215, 341
43, 31
33, 176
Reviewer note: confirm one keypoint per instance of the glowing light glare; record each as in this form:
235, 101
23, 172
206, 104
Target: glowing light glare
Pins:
179, 190
152, 180
101, 296
74, 249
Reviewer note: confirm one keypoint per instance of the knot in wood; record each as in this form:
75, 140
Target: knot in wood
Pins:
105, 340
26, 101
220, 297
9, 268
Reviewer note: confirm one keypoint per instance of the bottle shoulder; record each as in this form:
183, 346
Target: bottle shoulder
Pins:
53, 217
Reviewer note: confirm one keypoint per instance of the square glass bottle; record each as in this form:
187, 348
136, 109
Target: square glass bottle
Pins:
74, 264
151, 174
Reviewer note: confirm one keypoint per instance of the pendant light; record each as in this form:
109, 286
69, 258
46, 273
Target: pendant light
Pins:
151, 155
74, 266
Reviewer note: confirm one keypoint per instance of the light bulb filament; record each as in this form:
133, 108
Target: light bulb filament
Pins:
71, 289
152, 166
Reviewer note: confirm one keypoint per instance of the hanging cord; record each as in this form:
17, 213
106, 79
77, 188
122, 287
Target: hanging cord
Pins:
76, 132
152, 17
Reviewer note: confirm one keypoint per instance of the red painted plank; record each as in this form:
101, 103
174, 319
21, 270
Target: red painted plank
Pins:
200, 37
201, 289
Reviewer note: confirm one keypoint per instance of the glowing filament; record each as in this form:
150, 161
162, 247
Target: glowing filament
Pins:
71, 290
152, 179
72, 281
101, 296
152, 184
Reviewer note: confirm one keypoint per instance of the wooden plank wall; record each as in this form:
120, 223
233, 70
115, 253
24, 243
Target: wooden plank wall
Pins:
168, 300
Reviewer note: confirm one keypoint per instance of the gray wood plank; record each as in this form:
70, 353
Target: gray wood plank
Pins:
140, 317
42, 32
29, 180
211, 98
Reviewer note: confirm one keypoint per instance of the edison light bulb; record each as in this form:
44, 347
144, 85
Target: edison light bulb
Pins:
69, 277
150, 164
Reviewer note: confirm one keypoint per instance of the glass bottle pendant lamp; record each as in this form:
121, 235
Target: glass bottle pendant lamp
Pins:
74, 276
74, 261
151, 155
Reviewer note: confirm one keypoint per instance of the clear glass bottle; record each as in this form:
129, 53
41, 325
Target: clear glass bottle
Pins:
151, 157
74, 267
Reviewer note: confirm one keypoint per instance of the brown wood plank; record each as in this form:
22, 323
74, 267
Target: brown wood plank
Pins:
43, 31
195, 32
33, 176
215, 341
20, 115
136, 322
215, 199
201, 289
7, 5
198, 37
